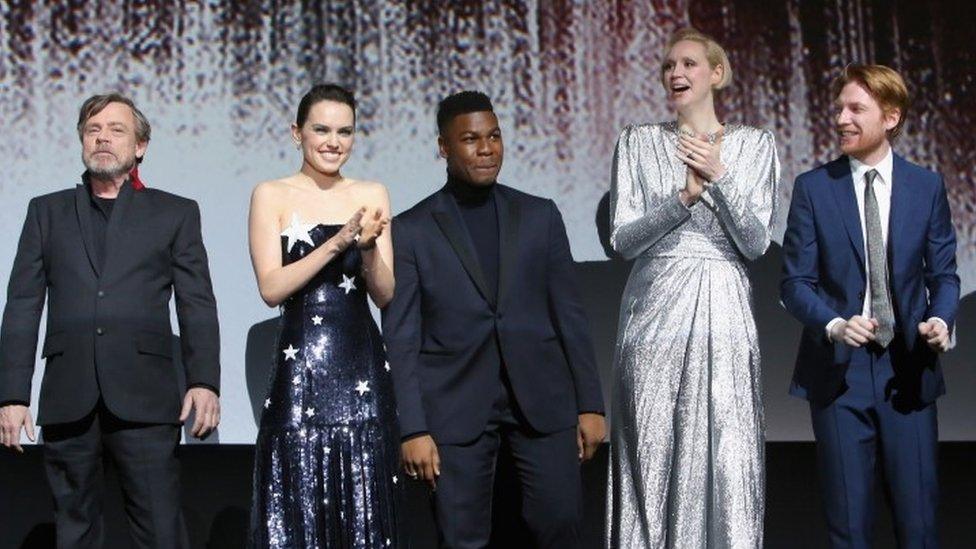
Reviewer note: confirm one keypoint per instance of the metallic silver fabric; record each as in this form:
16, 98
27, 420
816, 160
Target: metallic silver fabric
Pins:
326, 458
686, 454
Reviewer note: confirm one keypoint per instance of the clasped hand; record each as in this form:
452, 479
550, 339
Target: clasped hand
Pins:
702, 157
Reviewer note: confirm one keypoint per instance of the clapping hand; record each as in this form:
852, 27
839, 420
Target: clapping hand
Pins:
373, 226
349, 232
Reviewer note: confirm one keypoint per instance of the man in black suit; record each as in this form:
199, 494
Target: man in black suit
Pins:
487, 340
108, 255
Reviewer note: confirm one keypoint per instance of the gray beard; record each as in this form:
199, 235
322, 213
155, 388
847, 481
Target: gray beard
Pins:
109, 172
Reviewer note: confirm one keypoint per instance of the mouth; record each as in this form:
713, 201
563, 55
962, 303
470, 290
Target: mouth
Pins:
486, 168
679, 88
845, 134
331, 155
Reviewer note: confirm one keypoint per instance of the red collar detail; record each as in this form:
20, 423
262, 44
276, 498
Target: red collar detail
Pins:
137, 184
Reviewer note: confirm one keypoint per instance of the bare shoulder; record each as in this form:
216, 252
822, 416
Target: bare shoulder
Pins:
371, 191
274, 191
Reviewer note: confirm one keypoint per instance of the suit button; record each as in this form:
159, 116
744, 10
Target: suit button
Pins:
100, 331
860, 295
101, 293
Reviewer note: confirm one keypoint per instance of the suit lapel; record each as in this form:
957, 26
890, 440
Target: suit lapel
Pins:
842, 185
116, 229
508, 227
84, 210
898, 217
448, 218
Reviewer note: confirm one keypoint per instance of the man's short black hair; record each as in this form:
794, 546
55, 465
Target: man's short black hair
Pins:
461, 103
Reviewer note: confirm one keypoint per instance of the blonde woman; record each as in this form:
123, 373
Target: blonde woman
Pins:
691, 201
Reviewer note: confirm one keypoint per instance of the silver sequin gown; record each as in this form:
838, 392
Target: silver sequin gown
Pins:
686, 454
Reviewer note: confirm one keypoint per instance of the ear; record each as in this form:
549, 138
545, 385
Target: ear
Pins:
718, 73
296, 134
891, 118
442, 147
141, 149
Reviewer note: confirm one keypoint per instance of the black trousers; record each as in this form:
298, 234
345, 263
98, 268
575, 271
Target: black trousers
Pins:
145, 458
548, 471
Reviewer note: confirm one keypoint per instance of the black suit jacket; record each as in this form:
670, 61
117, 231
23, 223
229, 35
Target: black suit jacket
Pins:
108, 328
442, 326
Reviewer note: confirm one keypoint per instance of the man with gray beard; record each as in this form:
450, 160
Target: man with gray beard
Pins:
107, 256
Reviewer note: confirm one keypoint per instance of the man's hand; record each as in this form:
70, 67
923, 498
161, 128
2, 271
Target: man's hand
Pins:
936, 334
856, 332
12, 418
206, 404
590, 432
421, 460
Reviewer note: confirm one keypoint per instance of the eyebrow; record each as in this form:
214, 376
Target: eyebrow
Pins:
327, 127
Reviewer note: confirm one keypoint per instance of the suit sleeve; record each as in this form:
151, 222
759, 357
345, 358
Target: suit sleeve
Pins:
402, 333
570, 318
940, 261
747, 207
801, 256
196, 308
633, 227
26, 292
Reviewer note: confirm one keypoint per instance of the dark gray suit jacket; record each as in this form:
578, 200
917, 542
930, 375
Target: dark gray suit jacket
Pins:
108, 327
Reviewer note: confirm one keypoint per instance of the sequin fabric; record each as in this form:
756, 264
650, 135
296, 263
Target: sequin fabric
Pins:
686, 455
326, 457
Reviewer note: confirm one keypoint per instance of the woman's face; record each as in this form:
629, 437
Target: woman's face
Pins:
327, 136
687, 76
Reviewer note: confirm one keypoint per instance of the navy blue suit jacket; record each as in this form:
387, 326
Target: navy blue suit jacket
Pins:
444, 330
824, 274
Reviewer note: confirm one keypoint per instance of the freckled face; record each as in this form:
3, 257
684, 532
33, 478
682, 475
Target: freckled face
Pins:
861, 124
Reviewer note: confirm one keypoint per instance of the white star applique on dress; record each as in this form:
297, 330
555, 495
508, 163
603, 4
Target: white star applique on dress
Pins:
362, 388
290, 352
297, 232
348, 284
317, 320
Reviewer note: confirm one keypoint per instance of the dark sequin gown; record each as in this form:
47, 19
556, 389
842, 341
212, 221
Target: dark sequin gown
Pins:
326, 457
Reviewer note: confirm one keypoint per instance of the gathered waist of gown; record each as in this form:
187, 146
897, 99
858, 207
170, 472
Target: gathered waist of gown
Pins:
694, 245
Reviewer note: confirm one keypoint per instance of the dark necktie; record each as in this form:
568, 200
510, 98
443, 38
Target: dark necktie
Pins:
878, 265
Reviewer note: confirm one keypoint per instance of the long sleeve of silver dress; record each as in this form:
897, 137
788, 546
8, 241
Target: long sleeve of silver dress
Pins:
686, 454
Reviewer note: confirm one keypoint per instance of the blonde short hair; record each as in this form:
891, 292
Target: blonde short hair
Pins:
882, 83
714, 53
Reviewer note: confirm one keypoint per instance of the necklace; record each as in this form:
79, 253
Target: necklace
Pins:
710, 137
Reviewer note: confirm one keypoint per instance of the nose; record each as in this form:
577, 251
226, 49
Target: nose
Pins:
484, 147
331, 140
843, 117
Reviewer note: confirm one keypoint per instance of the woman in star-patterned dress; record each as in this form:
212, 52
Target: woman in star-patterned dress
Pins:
327, 452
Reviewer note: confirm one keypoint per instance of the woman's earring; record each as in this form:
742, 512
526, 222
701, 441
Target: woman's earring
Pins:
298, 146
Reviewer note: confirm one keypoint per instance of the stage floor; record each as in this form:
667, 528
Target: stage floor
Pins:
217, 492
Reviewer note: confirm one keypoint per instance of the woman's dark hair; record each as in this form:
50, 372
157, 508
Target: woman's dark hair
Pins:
324, 92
